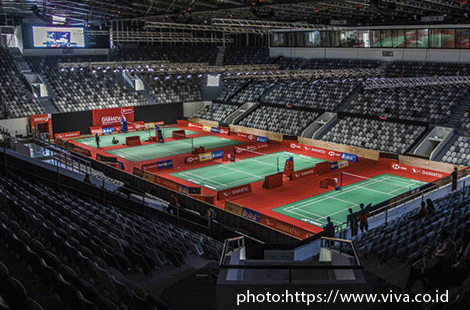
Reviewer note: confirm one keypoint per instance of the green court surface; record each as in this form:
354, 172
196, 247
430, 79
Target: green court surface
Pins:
223, 176
171, 148
106, 140
335, 204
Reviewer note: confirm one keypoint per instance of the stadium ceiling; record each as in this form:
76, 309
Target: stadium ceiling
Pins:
351, 12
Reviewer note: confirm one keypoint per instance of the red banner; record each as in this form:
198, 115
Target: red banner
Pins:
193, 159
167, 183
112, 117
156, 179
96, 129
67, 135
254, 147
303, 173
138, 172
149, 166
42, 119
286, 228
224, 131
247, 136
180, 122
417, 171
195, 125
234, 191
273, 181
308, 148
207, 198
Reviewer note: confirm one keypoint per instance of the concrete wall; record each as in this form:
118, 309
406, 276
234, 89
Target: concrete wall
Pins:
16, 126
189, 108
212, 92
446, 55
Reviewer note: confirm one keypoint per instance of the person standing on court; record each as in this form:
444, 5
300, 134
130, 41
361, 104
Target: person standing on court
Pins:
352, 222
454, 179
363, 218
97, 138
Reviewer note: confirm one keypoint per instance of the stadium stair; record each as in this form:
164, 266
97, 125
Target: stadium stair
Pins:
454, 119
144, 93
383, 66
418, 141
446, 147
346, 103
23, 66
239, 90
219, 61
49, 107
326, 130
20, 61
275, 60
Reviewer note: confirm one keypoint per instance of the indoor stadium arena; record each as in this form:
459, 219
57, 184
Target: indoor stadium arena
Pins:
231, 154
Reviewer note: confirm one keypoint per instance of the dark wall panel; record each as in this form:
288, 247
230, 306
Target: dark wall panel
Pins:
82, 121
211, 93
168, 113
65, 122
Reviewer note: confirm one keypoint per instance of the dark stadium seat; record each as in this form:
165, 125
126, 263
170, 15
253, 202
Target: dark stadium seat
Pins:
66, 256
286, 121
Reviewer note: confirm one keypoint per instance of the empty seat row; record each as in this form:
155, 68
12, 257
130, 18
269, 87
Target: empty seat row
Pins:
416, 68
374, 134
432, 104
282, 120
321, 94
17, 100
215, 112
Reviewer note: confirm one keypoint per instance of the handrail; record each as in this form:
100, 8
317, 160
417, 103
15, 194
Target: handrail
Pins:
289, 265
226, 243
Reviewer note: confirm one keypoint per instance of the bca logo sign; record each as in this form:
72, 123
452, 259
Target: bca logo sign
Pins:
190, 159
416, 170
398, 167
294, 146
331, 153
191, 125
250, 137
223, 131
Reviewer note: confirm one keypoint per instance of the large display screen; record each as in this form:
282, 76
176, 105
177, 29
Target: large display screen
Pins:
58, 37
213, 81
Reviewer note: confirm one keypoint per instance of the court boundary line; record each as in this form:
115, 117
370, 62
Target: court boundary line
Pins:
173, 153
244, 181
317, 217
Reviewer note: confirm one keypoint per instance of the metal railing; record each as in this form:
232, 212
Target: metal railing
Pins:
288, 265
341, 229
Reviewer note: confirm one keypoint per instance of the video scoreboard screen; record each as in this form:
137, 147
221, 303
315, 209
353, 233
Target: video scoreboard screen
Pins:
58, 37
